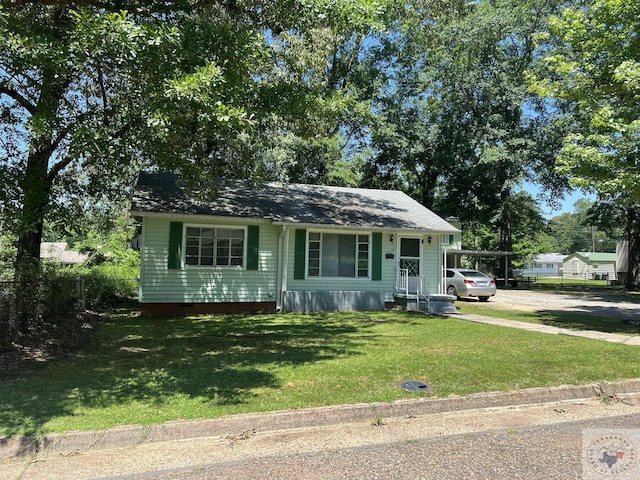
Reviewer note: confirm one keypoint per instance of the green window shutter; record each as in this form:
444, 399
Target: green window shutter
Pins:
300, 254
376, 256
175, 246
253, 241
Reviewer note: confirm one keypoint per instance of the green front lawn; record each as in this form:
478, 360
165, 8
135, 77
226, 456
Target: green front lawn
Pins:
577, 321
145, 371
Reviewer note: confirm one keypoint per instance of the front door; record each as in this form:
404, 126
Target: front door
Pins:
410, 259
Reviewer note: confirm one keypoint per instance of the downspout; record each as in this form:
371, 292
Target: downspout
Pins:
279, 273
443, 269
283, 260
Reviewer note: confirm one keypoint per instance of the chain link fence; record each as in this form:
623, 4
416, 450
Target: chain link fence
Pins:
587, 279
55, 302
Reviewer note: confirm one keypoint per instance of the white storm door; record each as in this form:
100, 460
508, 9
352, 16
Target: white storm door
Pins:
410, 258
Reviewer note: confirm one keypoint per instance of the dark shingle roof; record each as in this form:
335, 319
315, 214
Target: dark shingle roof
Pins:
160, 193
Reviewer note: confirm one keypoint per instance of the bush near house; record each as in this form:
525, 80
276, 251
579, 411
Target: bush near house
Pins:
65, 292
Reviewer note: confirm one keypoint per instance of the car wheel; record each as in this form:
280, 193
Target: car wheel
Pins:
451, 290
484, 299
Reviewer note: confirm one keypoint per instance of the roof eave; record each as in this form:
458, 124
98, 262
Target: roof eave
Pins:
192, 217
368, 228
209, 218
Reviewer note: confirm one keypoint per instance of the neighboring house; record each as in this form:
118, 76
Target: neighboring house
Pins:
57, 252
278, 246
545, 264
590, 265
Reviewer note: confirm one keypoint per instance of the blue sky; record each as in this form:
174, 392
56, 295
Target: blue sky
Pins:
566, 203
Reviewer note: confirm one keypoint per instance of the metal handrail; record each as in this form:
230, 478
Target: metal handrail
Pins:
402, 282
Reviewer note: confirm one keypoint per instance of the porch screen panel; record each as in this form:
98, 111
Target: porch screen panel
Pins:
410, 247
410, 255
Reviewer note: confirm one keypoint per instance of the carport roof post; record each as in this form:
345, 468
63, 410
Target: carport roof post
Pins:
488, 253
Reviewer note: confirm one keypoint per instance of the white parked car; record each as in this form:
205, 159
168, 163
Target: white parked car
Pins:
465, 282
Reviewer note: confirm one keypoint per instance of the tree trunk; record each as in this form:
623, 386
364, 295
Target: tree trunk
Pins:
36, 190
506, 232
36, 183
633, 235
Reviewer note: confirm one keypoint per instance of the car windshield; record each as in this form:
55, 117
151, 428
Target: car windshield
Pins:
472, 273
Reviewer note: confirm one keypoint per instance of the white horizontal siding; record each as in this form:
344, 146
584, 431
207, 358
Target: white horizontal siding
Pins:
205, 284
431, 267
582, 269
158, 284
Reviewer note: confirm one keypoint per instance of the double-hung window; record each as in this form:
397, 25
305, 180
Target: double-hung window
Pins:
214, 246
338, 255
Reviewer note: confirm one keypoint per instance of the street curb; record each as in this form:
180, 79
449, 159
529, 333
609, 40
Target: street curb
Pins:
132, 435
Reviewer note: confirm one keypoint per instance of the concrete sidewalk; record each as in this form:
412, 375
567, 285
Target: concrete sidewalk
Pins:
550, 330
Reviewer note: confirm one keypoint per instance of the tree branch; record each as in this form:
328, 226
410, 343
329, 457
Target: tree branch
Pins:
62, 164
5, 89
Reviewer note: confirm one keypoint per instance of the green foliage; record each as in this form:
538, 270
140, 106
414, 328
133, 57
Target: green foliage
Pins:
598, 225
105, 285
111, 273
7, 258
92, 93
456, 127
593, 71
528, 234
54, 300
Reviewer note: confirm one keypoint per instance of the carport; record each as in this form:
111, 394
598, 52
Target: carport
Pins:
455, 254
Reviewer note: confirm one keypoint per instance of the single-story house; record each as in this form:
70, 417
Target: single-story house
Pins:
590, 265
545, 264
57, 252
278, 246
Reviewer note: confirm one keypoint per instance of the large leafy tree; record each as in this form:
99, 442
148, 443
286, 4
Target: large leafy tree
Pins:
528, 233
496, 133
457, 127
407, 138
593, 62
92, 91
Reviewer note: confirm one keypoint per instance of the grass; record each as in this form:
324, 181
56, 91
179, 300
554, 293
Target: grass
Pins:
577, 321
568, 281
146, 371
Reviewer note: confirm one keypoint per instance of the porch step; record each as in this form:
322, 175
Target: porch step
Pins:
434, 303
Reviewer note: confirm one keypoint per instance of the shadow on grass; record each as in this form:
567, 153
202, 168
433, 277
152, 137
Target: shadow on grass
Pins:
611, 322
217, 359
610, 294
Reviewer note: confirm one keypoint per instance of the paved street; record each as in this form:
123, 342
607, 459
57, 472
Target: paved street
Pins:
529, 453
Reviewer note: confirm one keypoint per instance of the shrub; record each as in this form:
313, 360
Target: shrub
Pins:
107, 283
